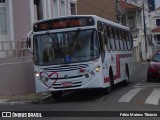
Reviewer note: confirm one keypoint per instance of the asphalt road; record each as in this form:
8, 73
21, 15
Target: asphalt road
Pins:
138, 96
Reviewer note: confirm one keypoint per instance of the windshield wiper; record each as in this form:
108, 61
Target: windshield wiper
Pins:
76, 36
52, 38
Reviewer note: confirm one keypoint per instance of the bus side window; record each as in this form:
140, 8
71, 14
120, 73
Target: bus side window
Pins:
102, 48
124, 40
120, 39
106, 38
127, 36
112, 38
131, 41
116, 38
113, 33
109, 40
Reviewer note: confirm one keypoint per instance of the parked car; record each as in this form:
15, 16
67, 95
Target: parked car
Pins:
154, 67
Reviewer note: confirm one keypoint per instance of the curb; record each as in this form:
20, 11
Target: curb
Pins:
44, 99
32, 101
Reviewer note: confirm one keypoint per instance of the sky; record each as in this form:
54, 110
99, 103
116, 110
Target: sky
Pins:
157, 3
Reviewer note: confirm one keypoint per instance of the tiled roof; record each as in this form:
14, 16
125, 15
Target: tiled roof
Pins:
127, 6
157, 29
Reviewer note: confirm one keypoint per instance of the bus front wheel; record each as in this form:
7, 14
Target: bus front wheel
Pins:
108, 89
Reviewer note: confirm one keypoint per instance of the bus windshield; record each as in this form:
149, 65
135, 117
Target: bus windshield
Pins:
66, 47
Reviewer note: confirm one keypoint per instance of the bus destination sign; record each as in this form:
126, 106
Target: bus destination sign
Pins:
54, 24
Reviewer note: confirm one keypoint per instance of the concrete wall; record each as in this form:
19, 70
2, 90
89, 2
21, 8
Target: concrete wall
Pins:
16, 76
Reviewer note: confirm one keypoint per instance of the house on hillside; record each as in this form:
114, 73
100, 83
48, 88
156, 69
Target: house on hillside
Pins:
155, 26
135, 14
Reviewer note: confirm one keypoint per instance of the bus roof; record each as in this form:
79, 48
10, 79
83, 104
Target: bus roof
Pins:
93, 16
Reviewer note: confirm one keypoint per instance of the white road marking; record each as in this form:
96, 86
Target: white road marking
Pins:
102, 98
129, 95
136, 85
145, 85
154, 97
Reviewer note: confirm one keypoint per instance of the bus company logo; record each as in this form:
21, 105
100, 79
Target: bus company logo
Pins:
6, 114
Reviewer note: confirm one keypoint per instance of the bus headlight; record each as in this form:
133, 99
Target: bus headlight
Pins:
97, 69
37, 74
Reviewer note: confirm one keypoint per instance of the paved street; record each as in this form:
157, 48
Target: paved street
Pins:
139, 95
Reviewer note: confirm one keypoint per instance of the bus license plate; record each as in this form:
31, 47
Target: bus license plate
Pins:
66, 84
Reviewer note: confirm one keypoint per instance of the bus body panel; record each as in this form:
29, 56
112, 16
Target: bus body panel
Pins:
80, 78
59, 79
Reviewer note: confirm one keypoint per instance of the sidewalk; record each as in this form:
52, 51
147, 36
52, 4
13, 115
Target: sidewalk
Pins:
24, 99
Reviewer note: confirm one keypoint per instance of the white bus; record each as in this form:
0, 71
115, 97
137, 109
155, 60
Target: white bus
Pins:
80, 52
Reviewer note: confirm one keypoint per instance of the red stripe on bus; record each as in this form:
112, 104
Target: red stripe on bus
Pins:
118, 75
106, 79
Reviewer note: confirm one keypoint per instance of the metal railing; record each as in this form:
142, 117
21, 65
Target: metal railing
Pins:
14, 49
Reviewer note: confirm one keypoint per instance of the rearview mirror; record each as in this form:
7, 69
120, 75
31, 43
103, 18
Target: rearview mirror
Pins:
28, 42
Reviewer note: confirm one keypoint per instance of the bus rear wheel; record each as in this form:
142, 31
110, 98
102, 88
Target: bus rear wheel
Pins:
57, 95
126, 81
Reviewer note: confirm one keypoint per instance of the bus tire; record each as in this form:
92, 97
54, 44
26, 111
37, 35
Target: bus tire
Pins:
126, 81
108, 89
57, 95
111, 77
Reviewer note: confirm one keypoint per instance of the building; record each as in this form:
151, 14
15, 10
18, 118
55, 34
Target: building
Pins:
102, 8
151, 5
16, 19
135, 14
155, 26
128, 13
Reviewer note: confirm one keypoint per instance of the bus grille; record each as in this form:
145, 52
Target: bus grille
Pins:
66, 68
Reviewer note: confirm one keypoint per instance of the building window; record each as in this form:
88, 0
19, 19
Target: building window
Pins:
63, 10
39, 7
2, 1
157, 22
73, 9
158, 39
3, 18
55, 8
131, 22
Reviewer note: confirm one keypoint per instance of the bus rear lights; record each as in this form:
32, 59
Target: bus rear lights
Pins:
97, 69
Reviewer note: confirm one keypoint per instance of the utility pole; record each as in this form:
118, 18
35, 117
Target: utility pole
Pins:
117, 12
144, 24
